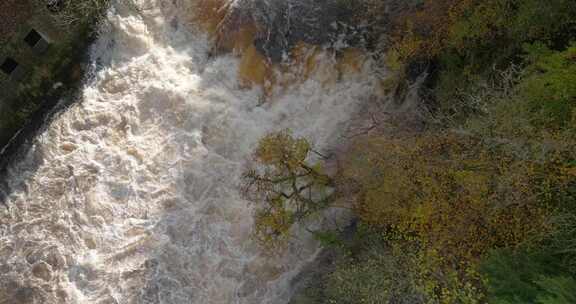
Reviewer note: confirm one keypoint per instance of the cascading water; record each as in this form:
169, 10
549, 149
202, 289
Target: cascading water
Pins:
131, 195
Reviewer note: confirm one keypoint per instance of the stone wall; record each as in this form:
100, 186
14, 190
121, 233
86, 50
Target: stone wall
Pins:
39, 58
45, 23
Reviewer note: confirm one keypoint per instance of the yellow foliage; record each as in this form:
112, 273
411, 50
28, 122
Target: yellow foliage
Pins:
282, 150
445, 285
452, 196
570, 171
459, 198
272, 224
423, 33
404, 49
285, 187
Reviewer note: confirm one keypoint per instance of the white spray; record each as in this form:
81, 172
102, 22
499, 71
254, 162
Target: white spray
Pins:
131, 195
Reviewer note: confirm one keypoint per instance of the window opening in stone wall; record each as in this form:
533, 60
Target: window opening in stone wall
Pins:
8, 66
32, 38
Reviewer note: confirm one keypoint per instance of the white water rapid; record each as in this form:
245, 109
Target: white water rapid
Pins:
130, 196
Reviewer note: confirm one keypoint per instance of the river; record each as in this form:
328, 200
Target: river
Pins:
130, 195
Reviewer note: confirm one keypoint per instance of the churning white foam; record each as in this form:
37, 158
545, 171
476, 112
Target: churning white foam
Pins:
130, 195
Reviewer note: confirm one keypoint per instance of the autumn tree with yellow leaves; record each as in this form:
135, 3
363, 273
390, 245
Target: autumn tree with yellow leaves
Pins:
285, 186
454, 194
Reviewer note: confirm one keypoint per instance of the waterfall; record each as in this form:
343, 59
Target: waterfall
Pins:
130, 195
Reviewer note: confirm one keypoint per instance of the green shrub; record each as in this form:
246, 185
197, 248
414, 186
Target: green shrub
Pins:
526, 277
486, 36
550, 86
376, 276
373, 271
557, 290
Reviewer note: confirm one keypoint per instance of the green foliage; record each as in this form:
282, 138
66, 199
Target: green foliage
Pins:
527, 277
385, 266
532, 21
558, 290
375, 272
509, 23
482, 212
562, 240
471, 40
377, 275
329, 238
530, 114
549, 87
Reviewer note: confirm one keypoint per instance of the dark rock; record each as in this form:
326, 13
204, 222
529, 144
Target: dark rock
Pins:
316, 22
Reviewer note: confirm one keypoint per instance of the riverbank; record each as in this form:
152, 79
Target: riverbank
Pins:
56, 92
477, 206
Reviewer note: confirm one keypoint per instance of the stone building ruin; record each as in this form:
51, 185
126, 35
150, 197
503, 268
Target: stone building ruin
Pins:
27, 30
